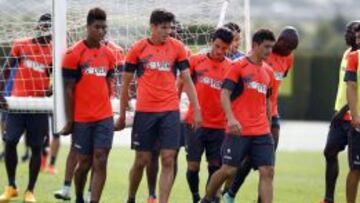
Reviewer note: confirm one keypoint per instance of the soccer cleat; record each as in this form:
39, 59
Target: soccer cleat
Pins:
10, 192
51, 170
152, 200
88, 197
228, 199
29, 197
63, 194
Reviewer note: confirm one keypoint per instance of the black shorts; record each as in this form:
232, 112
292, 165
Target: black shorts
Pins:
354, 149
275, 121
338, 134
260, 150
160, 130
88, 136
35, 127
203, 139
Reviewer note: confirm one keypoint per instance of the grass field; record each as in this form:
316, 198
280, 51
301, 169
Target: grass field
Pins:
299, 179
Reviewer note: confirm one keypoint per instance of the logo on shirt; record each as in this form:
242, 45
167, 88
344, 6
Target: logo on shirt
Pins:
163, 66
278, 75
215, 84
34, 65
97, 71
261, 88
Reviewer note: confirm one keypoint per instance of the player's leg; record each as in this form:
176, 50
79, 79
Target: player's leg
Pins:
103, 138
353, 177
194, 150
169, 138
37, 127
143, 140
262, 156
275, 130
54, 148
83, 142
45, 152
2, 126
336, 142
151, 173
233, 151
15, 126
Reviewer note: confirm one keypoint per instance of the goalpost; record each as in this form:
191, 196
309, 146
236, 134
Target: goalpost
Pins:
127, 22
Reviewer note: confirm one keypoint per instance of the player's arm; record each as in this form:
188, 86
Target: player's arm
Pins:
268, 108
191, 93
233, 125
351, 88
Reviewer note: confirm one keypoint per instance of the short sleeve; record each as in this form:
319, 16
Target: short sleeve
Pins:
112, 64
352, 67
131, 62
182, 57
70, 64
231, 77
271, 85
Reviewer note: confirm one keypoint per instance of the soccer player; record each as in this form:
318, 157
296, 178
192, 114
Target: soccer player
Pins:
340, 124
87, 69
234, 53
156, 61
245, 97
281, 61
352, 86
71, 162
33, 58
207, 71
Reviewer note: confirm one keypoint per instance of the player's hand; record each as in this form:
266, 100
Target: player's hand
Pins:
120, 123
197, 119
68, 128
355, 121
3, 103
234, 126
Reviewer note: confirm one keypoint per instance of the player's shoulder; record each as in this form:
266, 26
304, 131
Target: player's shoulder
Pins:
114, 47
140, 44
77, 48
241, 62
22, 41
175, 42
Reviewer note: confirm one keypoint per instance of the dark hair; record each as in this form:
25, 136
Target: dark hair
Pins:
233, 27
159, 16
95, 14
224, 34
357, 27
262, 35
45, 18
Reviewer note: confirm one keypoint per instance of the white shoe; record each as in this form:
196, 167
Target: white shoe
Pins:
63, 194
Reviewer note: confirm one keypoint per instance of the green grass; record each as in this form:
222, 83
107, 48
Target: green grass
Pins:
299, 178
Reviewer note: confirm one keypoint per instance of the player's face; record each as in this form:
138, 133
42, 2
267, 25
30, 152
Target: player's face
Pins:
162, 31
97, 30
218, 49
285, 46
357, 38
264, 49
236, 42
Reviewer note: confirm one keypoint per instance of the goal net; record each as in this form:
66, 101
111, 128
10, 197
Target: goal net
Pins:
128, 21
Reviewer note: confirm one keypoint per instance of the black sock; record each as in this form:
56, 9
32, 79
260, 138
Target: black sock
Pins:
240, 177
52, 160
131, 200
193, 181
11, 161
67, 183
80, 199
34, 166
331, 174
211, 171
94, 201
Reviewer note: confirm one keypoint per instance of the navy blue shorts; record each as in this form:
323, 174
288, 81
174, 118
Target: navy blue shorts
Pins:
275, 121
260, 150
35, 127
354, 149
338, 134
160, 130
88, 136
203, 139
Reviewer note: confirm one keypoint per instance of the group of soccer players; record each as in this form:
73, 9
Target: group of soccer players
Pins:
232, 117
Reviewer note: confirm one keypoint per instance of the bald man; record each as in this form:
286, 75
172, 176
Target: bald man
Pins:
281, 61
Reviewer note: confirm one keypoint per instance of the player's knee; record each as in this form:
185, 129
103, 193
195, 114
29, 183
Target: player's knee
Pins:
142, 160
84, 163
214, 163
167, 161
266, 172
10, 145
330, 154
100, 161
193, 166
228, 171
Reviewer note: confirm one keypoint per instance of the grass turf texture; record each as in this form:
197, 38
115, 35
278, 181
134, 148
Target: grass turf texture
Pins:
299, 178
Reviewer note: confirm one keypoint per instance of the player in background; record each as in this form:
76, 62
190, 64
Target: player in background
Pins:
281, 61
34, 62
88, 68
234, 52
245, 98
340, 123
352, 94
156, 61
207, 71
